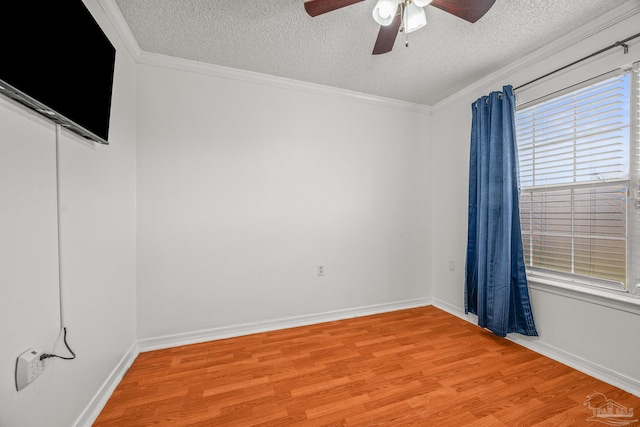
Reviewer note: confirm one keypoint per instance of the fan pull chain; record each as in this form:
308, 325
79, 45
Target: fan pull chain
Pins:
403, 18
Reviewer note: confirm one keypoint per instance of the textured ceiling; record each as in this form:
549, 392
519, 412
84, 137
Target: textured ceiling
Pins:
278, 38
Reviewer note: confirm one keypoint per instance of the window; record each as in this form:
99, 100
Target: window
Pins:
578, 155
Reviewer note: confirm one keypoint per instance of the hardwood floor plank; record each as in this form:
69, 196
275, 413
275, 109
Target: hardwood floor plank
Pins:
418, 367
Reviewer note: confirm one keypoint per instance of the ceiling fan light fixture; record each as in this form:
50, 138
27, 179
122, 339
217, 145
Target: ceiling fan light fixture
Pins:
422, 3
414, 17
385, 11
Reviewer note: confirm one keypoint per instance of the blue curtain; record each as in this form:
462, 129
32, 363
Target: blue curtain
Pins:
496, 288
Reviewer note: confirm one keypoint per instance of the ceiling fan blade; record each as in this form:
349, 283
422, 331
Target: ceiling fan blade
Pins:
318, 7
387, 36
469, 10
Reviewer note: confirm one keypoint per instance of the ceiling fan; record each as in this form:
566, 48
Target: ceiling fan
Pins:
403, 15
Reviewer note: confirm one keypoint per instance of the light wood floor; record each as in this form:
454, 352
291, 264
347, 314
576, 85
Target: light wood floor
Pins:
418, 367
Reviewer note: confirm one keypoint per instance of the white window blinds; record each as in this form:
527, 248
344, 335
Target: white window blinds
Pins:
574, 153
581, 136
634, 210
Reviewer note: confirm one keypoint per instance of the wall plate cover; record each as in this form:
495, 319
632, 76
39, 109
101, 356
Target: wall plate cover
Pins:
28, 367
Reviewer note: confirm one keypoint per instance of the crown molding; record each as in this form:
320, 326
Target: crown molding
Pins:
142, 57
273, 81
124, 32
591, 29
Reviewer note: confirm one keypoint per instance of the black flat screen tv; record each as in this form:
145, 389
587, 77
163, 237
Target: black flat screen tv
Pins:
56, 60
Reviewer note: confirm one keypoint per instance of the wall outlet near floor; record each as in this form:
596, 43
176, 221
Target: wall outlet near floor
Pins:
452, 265
28, 367
320, 270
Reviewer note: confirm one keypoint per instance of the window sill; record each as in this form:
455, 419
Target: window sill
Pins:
614, 299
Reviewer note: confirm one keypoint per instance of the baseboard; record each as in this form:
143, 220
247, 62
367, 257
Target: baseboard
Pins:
95, 406
566, 358
93, 409
580, 364
169, 341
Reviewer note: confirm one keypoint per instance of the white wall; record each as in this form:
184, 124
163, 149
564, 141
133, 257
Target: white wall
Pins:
98, 254
240, 190
243, 188
588, 332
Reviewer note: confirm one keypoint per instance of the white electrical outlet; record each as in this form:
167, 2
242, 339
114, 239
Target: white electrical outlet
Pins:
28, 367
320, 270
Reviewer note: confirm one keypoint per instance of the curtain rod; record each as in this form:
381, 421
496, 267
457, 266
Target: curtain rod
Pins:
616, 44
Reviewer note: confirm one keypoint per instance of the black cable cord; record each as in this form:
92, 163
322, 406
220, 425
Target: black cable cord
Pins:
47, 355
